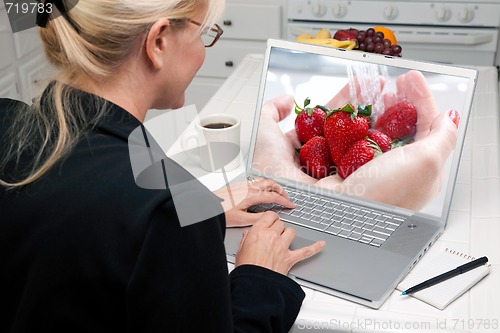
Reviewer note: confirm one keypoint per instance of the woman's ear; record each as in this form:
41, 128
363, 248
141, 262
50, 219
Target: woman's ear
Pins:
156, 42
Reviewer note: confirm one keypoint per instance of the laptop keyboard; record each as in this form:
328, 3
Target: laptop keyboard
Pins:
341, 219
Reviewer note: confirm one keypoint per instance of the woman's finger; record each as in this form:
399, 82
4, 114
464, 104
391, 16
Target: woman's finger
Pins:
278, 225
288, 236
306, 252
268, 191
245, 219
267, 220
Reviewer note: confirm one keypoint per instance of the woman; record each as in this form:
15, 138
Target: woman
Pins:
83, 249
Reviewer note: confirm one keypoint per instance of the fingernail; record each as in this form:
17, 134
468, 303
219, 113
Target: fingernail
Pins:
454, 116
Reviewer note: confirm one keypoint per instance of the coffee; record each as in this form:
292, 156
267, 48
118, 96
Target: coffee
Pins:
218, 125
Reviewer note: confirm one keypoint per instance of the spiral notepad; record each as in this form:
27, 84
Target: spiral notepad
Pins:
442, 294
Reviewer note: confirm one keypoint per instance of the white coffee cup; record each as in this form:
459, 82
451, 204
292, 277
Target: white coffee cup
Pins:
217, 139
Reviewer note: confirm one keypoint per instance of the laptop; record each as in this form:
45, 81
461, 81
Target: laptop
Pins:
370, 245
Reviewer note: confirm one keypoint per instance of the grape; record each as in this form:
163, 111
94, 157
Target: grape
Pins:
361, 36
379, 47
396, 49
373, 41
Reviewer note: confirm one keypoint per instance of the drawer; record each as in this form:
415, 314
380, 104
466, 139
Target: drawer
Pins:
251, 21
225, 56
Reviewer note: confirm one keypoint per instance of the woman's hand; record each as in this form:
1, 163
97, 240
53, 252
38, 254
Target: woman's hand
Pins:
238, 197
275, 153
267, 244
408, 176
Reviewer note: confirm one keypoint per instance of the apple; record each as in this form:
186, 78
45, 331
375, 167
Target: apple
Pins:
345, 34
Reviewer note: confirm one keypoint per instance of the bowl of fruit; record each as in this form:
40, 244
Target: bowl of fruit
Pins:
377, 39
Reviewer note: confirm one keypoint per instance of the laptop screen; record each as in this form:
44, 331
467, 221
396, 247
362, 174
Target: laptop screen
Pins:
415, 171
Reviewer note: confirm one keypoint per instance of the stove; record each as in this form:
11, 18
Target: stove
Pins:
448, 31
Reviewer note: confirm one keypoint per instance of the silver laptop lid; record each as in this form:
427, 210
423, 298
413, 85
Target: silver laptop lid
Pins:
322, 74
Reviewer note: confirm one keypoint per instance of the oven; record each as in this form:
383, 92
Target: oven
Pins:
448, 31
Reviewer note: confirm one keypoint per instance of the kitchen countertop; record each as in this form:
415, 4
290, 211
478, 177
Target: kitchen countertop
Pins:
473, 227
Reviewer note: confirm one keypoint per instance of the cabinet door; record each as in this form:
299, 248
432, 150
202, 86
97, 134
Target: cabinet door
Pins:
251, 21
222, 59
26, 42
6, 51
8, 85
33, 74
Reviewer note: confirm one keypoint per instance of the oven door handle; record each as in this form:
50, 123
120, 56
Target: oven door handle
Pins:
445, 38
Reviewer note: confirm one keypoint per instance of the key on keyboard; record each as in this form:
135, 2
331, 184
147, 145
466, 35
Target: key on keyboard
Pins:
328, 215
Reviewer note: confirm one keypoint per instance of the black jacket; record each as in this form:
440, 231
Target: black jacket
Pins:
84, 249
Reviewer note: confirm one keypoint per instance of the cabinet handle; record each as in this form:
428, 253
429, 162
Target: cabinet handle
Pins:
229, 63
227, 23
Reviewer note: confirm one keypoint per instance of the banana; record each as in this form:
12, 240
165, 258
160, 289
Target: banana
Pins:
343, 44
303, 37
323, 33
323, 37
354, 43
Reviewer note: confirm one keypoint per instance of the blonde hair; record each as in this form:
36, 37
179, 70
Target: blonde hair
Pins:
97, 41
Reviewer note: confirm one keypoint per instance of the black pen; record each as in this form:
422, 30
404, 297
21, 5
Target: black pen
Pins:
445, 276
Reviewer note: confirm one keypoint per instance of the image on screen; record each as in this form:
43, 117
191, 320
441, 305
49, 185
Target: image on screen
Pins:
389, 177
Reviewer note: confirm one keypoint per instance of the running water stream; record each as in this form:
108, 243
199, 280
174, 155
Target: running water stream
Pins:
365, 86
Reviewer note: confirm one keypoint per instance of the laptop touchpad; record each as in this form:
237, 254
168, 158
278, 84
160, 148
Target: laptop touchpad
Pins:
300, 242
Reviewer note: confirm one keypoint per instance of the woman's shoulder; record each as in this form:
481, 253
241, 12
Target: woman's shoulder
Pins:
8, 107
10, 103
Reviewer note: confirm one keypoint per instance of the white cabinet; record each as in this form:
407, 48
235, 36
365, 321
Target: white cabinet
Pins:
247, 25
22, 61
8, 85
8, 77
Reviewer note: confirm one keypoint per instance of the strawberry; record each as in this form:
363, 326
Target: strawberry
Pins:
310, 121
360, 153
382, 140
315, 158
345, 126
398, 121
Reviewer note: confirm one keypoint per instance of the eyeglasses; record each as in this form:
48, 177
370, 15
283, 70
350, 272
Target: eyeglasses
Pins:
211, 35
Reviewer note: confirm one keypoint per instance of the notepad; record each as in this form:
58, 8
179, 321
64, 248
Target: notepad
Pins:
442, 294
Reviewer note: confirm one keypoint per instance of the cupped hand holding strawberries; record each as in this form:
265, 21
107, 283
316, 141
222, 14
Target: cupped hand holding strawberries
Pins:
407, 176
